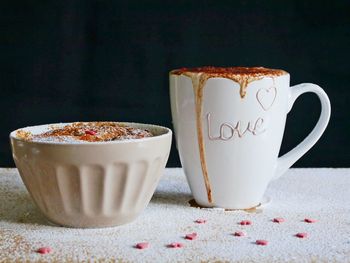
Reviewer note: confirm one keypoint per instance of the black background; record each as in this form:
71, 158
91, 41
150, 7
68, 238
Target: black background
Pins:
64, 61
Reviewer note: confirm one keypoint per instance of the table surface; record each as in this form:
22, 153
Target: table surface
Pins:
321, 194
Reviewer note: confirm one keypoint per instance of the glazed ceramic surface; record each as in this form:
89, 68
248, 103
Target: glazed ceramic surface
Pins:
241, 136
92, 184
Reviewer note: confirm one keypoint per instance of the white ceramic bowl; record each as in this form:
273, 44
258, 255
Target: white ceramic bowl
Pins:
92, 184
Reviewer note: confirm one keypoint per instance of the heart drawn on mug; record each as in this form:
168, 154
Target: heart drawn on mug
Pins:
266, 97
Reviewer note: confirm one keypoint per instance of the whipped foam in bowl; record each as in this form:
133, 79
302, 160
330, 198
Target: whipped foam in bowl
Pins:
87, 132
91, 174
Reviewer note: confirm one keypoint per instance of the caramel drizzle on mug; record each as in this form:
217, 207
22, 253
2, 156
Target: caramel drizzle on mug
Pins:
199, 79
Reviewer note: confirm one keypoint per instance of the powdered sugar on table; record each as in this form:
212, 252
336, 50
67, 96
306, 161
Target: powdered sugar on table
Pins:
320, 194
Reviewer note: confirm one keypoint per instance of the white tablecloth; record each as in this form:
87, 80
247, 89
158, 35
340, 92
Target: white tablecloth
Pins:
321, 194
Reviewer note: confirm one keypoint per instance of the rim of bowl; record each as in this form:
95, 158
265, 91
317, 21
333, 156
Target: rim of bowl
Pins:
167, 132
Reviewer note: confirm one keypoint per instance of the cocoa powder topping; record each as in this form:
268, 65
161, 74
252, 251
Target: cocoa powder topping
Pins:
88, 132
229, 71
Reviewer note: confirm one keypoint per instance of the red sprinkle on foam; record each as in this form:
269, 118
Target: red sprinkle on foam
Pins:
278, 220
44, 250
90, 132
191, 236
261, 242
175, 245
301, 235
200, 221
245, 222
239, 234
309, 220
142, 245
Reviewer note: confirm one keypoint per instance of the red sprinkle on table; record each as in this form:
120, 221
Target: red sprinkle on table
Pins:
175, 245
261, 242
278, 220
309, 220
44, 250
200, 221
142, 245
191, 236
301, 235
245, 222
239, 234
90, 132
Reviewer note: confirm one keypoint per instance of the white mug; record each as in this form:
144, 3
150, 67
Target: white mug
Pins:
229, 125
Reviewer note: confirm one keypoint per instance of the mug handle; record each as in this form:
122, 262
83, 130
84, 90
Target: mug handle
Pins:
288, 159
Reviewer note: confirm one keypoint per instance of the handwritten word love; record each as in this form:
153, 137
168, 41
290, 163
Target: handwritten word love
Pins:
254, 128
